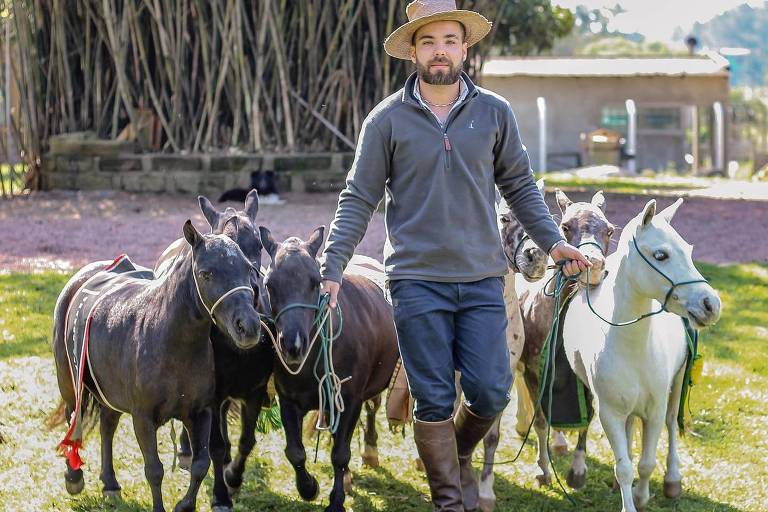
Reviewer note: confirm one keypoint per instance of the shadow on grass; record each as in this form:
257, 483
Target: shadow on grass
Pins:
598, 495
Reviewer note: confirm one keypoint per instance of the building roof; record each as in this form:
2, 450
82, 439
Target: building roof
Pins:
700, 65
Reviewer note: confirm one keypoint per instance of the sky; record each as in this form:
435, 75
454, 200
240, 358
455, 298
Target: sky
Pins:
657, 19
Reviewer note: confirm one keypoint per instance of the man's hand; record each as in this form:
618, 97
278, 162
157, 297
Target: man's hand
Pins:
332, 289
575, 261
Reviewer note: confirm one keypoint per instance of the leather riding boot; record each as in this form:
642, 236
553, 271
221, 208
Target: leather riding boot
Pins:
470, 430
436, 443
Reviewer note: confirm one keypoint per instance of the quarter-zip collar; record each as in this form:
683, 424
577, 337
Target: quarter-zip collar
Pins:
408, 97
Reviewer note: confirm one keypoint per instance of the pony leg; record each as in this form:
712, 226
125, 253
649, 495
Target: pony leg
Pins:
292, 417
340, 455
249, 412
185, 450
371, 452
524, 405
672, 478
560, 445
540, 425
221, 500
615, 429
199, 428
651, 432
108, 421
487, 499
577, 475
74, 481
146, 435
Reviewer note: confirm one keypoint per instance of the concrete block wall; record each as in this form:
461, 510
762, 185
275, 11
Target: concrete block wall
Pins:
209, 174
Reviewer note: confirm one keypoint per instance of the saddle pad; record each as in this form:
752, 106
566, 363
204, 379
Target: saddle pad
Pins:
76, 331
571, 401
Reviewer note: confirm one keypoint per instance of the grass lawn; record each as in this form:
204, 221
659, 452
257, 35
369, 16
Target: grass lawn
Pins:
723, 459
660, 185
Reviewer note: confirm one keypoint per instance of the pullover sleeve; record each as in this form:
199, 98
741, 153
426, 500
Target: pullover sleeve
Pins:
364, 190
514, 178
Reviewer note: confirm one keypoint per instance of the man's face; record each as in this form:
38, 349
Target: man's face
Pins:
439, 51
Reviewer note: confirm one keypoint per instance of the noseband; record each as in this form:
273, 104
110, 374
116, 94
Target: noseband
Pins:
513, 261
663, 307
220, 299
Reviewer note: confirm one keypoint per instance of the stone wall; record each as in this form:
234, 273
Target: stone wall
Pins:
208, 174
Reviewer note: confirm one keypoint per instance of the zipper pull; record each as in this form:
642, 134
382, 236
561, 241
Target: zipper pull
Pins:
446, 142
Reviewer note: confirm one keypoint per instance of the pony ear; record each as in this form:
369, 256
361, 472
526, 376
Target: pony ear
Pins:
315, 241
648, 212
209, 211
191, 234
599, 200
230, 228
268, 241
562, 200
670, 211
252, 204
540, 186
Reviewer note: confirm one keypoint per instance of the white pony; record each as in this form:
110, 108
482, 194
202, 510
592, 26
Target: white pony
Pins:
636, 371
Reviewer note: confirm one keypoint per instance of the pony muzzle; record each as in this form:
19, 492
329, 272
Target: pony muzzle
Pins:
703, 307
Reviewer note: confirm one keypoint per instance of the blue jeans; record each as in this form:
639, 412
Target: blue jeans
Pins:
442, 327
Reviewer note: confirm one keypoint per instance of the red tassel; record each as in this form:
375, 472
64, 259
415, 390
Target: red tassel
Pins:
71, 450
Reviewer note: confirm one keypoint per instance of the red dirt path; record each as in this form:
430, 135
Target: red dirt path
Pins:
68, 229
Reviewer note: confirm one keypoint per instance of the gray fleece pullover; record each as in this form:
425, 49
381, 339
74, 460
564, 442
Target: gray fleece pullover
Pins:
439, 189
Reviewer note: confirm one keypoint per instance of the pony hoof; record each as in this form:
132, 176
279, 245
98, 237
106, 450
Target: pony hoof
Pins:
419, 464
184, 507
544, 480
673, 490
221, 508
114, 495
308, 488
185, 462
486, 504
576, 480
232, 481
347, 482
74, 482
370, 457
232, 491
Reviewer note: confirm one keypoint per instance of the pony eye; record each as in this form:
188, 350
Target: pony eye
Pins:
205, 275
564, 228
504, 219
610, 231
660, 255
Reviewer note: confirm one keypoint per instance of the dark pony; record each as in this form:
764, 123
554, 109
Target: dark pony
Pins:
149, 353
363, 355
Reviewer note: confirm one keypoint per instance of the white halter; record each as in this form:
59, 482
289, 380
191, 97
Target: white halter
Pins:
220, 300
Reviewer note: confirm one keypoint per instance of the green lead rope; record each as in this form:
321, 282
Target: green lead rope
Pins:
692, 335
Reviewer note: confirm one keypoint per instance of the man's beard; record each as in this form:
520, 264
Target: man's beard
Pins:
440, 77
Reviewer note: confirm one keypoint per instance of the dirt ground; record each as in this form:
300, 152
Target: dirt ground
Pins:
65, 230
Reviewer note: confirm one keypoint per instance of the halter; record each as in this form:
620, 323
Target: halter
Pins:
220, 300
663, 307
513, 261
329, 385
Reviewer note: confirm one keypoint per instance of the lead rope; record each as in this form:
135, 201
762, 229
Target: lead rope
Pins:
329, 384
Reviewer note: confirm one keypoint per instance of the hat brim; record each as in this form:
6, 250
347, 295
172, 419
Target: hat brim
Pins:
399, 42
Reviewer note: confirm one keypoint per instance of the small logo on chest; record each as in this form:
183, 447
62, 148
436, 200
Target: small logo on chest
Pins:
472, 124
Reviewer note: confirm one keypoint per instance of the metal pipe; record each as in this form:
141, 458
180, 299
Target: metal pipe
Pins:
631, 136
541, 104
719, 137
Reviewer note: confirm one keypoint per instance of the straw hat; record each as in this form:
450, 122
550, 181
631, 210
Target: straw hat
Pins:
421, 12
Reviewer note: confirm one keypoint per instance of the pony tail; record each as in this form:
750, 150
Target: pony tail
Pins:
90, 414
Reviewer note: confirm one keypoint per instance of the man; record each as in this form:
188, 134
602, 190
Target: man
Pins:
438, 148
